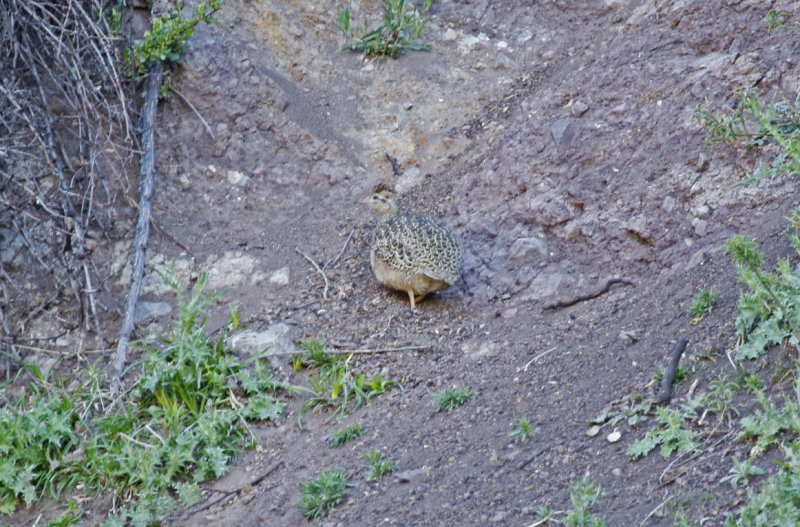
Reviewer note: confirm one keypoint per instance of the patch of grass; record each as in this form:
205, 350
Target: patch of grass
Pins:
378, 464
322, 494
450, 398
671, 435
166, 40
184, 421
680, 374
756, 123
334, 385
770, 312
346, 434
402, 25
741, 472
521, 430
583, 494
702, 304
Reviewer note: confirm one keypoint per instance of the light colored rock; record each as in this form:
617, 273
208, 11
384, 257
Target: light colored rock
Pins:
700, 227
527, 249
669, 203
147, 310
280, 277
233, 268
579, 108
237, 178
564, 132
276, 340
547, 284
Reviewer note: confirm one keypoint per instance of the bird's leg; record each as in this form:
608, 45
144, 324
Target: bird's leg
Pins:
411, 298
419, 298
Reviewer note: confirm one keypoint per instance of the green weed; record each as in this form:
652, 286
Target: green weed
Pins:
770, 312
741, 472
183, 423
702, 304
334, 385
583, 494
402, 24
670, 436
521, 430
378, 464
450, 398
321, 494
346, 434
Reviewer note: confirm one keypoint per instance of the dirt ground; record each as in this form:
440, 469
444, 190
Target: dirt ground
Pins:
557, 138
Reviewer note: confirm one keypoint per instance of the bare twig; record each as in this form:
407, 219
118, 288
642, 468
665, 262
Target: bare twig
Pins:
320, 271
330, 263
581, 298
146, 190
197, 113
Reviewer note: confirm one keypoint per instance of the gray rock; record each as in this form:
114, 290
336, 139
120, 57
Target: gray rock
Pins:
547, 284
147, 310
276, 340
564, 132
526, 249
579, 108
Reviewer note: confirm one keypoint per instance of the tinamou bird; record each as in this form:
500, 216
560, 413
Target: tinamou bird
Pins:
415, 253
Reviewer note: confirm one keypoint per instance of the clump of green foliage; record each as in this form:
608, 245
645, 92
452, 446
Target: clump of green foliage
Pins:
521, 430
402, 24
769, 314
334, 385
583, 495
450, 398
166, 40
671, 435
346, 434
757, 123
322, 494
378, 464
183, 423
702, 304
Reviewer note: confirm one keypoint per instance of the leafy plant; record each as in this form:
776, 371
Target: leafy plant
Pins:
680, 374
346, 434
770, 313
334, 385
450, 398
741, 471
402, 24
379, 464
777, 501
521, 430
182, 423
583, 494
321, 494
757, 124
702, 304
766, 424
670, 436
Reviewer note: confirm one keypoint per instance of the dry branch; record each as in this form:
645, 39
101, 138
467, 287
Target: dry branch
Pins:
146, 189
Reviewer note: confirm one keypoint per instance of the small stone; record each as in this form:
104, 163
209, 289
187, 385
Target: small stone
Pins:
236, 178
617, 472
184, 181
614, 436
280, 277
526, 249
564, 132
669, 204
498, 517
572, 231
525, 36
450, 34
579, 108
147, 310
700, 227
702, 163
593, 431
414, 476
702, 212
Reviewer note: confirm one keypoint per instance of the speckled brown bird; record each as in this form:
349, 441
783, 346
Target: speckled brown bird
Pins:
415, 253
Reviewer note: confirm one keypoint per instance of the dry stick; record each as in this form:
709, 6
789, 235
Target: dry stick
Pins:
146, 189
355, 351
665, 392
333, 262
320, 271
197, 113
581, 298
229, 493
